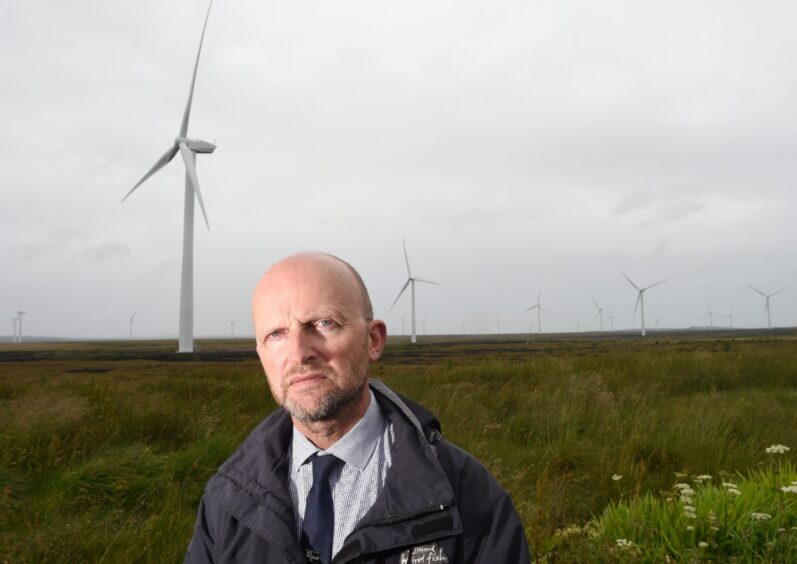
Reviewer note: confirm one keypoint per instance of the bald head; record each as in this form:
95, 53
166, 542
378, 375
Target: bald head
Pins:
324, 268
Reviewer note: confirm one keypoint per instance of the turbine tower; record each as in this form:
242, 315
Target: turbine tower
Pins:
730, 316
640, 300
13, 329
766, 302
539, 308
132, 317
188, 148
232, 328
411, 280
19, 325
599, 315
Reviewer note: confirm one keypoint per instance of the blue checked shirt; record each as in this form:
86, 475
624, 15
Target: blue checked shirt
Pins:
365, 449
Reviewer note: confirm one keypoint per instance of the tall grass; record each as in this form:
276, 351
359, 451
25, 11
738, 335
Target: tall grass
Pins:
103, 457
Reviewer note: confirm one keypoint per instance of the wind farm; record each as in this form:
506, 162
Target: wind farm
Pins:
516, 147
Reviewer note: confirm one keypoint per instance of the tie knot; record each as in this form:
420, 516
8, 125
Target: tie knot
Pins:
323, 467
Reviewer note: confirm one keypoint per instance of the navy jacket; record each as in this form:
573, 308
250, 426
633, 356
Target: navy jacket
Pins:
439, 505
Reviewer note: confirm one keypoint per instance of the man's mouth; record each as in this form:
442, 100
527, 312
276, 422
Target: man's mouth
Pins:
307, 380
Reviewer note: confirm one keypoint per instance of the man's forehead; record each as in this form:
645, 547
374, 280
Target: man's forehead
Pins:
310, 281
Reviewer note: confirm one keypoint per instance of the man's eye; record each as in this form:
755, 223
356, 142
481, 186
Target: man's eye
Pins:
325, 324
275, 333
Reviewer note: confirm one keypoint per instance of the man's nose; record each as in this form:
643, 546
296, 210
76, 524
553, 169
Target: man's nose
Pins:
302, 346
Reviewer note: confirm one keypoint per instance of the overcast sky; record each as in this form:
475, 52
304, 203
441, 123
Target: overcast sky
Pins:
516, 146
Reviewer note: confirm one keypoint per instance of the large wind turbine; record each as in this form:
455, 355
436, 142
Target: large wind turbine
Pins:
640, 300
411, 280
188, 148
766, 302
539, 308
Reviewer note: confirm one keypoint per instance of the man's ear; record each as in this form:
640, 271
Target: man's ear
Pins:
377, 338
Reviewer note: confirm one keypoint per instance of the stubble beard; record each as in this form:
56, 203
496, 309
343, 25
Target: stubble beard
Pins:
327, 407
335, 402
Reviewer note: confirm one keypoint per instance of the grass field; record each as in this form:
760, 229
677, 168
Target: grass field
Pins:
105, 447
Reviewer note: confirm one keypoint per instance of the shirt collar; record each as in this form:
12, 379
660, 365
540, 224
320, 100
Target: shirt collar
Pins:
354, 448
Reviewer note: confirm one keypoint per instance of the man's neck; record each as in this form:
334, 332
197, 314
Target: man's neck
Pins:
324, 434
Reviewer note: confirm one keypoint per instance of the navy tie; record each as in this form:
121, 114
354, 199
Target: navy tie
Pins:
319, 512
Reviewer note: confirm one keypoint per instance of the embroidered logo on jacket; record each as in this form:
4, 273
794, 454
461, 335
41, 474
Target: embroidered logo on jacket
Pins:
424, 554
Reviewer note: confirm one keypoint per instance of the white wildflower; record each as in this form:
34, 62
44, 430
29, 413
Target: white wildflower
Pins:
715, 529
703, 478
624, 543
734, 491
702, 544
569, 531
729, 485
781, 530
681, 486
777, 449
760, 516
789, 489
690, 528
617, 477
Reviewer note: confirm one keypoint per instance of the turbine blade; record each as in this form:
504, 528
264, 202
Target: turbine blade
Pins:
407, 283
418, 279
656, 284
757, 290
629, 280
187, 114
636, 305
779, 291
407, 260
531, 308
162, 162
190, 169
545, 311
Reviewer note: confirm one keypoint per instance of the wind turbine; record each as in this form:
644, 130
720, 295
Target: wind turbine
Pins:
710, 316
411, 280
14, 329
766, 302
611, 318
232, 328
132, 317
599, 315
188, 148
539, 308
640, 300
19, 325
730, 316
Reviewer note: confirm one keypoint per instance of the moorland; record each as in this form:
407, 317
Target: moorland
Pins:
105, 447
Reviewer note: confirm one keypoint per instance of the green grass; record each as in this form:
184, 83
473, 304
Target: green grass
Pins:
105, 448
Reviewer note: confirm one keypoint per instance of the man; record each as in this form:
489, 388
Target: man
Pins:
346, 470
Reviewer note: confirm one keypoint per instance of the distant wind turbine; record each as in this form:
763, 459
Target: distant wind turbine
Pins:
19, 325
411, 280
132, 317
766, 301
611, 318
730, 317
640, 300
188, 148
14, 329
710, 316
599, 315
539, 308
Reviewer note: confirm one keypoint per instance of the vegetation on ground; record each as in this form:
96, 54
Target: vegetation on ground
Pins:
105, 448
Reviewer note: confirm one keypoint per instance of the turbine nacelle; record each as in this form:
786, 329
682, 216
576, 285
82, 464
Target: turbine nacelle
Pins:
196, 145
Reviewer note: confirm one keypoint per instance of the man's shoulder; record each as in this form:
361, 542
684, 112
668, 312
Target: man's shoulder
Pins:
253, 463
